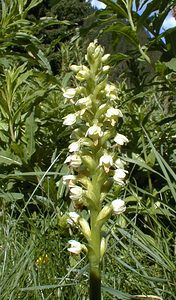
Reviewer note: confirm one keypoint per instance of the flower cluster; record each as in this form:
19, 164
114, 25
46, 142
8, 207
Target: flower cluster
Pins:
95, 142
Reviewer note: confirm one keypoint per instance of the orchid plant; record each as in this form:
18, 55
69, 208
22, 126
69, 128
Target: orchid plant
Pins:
94, 157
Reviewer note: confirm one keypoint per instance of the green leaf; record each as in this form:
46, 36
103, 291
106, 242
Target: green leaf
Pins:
171, 64
151, 159
8, 158
30, 130
124, 30
116, 293
115, 8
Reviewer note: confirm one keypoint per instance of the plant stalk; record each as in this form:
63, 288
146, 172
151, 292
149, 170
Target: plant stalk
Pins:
94, 260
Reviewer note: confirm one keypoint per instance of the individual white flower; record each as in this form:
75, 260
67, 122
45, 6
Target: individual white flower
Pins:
69, 179
76, 193
94, 131
73, 160
112, 115
119, 164
73, 218
120, 139
105, 69
106, 161
105, 58
118, 206
111, 112
86, 101
83, 74
111, 91
69, 120
75, 68
69, 93
119, 176
74, 147
75, 247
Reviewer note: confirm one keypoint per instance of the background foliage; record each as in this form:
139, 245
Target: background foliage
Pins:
39, 40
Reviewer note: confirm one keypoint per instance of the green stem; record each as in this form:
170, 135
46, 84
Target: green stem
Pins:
94, 259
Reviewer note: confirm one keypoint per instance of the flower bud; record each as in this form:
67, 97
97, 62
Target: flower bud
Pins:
99, 51
104, 214
118, 206
103, 246
85, 228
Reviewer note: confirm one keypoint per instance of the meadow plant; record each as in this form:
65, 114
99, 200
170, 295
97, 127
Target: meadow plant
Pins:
94, 158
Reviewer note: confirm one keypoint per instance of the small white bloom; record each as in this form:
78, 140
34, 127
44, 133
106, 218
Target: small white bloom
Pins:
106, 161
118, 206
73, 218
69, 119
111, 91
105, 69
83, 73
112, 112
69, 179
112, 115
119, 164
86, 101
120, 139
73, 160
119, 176
75, 68
69, 93
76, 193
75, 247
74, 147
94, 130
105, 58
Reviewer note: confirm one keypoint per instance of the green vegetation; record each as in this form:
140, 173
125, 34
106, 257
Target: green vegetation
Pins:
39, 41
